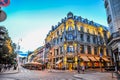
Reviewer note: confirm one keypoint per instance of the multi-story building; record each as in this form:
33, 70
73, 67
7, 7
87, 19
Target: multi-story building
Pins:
37, 55
77, 39
113, 18
3, 31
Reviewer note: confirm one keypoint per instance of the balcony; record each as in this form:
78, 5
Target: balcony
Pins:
2, 31
2, 37
114, 37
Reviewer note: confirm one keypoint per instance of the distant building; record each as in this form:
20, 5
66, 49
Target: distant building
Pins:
77, 38
113, 18
37, 55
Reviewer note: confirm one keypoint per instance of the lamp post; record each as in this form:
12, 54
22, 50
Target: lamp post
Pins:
101, 62
79, 60
50, 60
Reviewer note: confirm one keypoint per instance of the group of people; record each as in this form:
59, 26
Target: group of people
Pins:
81, 68
7, 67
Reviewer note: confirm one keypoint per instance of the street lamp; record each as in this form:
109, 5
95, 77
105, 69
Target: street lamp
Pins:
79, 60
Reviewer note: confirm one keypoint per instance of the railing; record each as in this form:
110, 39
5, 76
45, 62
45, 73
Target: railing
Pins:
114, 35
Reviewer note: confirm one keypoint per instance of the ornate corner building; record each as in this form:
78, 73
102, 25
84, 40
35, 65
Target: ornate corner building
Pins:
113, 18
77, 41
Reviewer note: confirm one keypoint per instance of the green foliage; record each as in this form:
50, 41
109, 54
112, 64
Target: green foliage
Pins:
7, 52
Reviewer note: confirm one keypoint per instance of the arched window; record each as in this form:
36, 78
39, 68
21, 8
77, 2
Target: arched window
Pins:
70, 37
70, 48
70, 28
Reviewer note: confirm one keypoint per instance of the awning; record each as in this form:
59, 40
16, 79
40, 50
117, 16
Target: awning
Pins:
59, 61
105, 59
98, 58
85, 58
92, 59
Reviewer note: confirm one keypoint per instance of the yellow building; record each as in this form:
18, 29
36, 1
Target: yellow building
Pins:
77, 38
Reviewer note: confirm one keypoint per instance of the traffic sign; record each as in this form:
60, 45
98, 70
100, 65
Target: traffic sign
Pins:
3, 16
4, 3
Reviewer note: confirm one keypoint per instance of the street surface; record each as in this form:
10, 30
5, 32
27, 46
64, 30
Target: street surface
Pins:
25, 74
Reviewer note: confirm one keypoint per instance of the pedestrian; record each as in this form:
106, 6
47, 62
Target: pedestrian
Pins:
0, 67
78, 69
83, 69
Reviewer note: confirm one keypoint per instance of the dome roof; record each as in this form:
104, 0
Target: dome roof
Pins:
70, 14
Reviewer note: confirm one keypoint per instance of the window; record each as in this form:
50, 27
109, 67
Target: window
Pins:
81, 37
107, 52
95, 50
56, 51
87, 30
88, 38
70, 37
109, 19
82, 49
57, 40
89, 49
70, 49
70, 28
94, 39
61, 39
106, 3
82, 29
61, 50
57, 32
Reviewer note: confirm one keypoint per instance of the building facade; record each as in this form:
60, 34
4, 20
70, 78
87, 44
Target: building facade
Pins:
77, 41
37, 55
113, 18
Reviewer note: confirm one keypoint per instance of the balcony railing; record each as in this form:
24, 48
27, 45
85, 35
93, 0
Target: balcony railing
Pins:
114, 35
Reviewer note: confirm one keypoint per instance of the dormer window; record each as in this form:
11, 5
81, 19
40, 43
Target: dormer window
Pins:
70, 15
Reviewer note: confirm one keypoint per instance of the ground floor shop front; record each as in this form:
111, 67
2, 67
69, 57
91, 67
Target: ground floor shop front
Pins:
72, 62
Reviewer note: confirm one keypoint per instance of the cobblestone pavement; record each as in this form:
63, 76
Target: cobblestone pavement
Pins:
25, 74
97, 76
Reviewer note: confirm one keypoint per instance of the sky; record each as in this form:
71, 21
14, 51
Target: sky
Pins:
31, 20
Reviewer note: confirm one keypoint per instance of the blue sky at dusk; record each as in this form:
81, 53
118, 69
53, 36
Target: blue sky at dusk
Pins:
32, 19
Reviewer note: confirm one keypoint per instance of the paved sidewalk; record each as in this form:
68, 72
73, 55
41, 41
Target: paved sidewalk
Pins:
11, 71
96, 76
